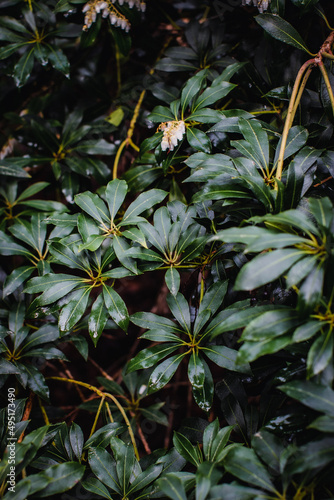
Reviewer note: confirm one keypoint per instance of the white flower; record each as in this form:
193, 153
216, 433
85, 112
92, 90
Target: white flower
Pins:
173, 132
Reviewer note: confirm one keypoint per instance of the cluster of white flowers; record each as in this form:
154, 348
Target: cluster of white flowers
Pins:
106, 7
260, 4
173, 132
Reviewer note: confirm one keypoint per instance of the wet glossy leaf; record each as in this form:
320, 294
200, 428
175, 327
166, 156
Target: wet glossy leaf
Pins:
315, 396
187, 450
280, 29
172, 278
97, 319
116, 307
95, 486
244, 464
198, 140
24, 67
104, 467
266, 268
180, 310
162, 374
225, 357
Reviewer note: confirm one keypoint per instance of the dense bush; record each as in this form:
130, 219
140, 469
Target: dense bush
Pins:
167, 250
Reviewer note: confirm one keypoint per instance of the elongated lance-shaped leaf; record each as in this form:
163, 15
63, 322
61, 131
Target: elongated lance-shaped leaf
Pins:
93, 206
271, 324
53, 286
212, 94
24, 67
104, 467
180, 310
243, 463
97, 319
297, 137
145, 478
121, 246
266, 268
257, 138
95, 486
281, 30
162, 374
161, 114
172, 279
151, 356
269, 447
192, 87
225, 357
173, 487
143, 202
64, 255
311, 394
250, 351
116, 307
186, 449
214, 297
162, 226
8, 246
154, 322
16, 279
115, 194
75, 309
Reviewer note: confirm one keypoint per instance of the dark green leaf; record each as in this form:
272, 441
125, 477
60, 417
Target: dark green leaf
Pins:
187, 450
104, 467
23, 68
198, 140
173, 487
95, 486
191, 89
320, 354
161, 114
62, 477
225, 357
54, 287
257, 138
162, 374
143, 202
16, 279
281, 30
59, 61
313, 395
116, 307
244, 464
266, 268
212, 94
172, 278
74, 309
97, 319
271, 324
150, 356
180, 310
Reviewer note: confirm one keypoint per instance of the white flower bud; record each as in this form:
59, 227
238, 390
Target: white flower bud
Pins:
113, 19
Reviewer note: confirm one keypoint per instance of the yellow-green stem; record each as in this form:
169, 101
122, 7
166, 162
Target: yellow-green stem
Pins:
104, 395
45, 416
327, 83
118, 155
289, 118
97, 417
327, 55
301, 90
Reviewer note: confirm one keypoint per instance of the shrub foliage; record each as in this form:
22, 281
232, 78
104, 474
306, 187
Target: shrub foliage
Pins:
166, 234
